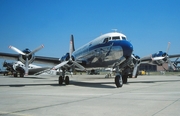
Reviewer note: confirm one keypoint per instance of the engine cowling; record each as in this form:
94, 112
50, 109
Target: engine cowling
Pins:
66, 57
19, 67
31, 57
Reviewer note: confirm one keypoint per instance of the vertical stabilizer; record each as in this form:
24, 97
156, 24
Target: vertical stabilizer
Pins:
72, 48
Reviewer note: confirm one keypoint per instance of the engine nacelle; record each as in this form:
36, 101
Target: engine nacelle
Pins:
66, 57
19, 67
31, 57
136, 59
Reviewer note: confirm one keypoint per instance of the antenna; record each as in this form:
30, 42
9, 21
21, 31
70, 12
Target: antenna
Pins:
115, 30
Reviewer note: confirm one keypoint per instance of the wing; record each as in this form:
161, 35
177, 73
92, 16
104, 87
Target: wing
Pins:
9, 56
38, 59
47, 60
149, 58
174, 56
146, 59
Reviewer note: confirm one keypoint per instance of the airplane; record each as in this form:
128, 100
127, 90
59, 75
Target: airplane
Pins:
108, 50
160, 58
27, 57
18, 67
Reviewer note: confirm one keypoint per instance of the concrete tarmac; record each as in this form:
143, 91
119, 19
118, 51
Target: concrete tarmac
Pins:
89, 95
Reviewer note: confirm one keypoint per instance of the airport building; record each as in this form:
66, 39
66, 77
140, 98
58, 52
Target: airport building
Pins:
153, 67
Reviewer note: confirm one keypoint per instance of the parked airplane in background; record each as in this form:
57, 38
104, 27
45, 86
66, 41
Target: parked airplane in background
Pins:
160, 58
27, 57
18, 67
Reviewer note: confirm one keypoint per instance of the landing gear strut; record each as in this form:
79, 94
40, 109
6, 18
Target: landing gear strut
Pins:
63, 78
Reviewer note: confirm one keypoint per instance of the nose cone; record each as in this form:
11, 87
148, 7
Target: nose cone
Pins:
127, 48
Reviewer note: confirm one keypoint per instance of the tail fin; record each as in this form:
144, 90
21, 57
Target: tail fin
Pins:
72, 49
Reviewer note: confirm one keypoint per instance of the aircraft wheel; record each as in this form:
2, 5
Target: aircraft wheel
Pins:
15, 75
118, 81
60, 80
67, 80
21, 75
125, 78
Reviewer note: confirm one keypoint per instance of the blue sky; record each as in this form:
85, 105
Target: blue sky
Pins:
148, 24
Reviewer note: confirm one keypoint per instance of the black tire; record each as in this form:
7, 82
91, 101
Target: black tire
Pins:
15, 75
118, 81
60, 80
125, 79
21, 75
67, 80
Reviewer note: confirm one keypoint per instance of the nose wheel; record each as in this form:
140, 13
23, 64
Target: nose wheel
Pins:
118, 81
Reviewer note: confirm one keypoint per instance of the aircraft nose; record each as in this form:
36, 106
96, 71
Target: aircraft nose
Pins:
127, 48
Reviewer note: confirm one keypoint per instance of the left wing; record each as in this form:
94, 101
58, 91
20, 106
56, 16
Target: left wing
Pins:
9, 56
38, 59
174, 56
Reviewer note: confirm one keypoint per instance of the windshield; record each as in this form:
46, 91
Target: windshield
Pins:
114, 38
123, 38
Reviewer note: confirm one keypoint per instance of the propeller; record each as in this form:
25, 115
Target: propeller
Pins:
26, 55
71, 49
165, 57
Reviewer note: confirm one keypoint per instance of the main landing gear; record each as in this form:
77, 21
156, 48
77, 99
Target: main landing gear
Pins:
118, 78
63, 78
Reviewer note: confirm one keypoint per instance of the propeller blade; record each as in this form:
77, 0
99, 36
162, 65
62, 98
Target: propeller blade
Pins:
59, 65
171, 64
37, 49
26, 66
79, 66
135, 70
17, 50
71, 48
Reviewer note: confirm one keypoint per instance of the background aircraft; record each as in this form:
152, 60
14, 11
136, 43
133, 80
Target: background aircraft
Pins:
160, 58
27, 57
18, 67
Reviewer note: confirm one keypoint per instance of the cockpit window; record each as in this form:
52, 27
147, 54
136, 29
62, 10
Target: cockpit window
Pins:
114, 38
105, 40
123, 38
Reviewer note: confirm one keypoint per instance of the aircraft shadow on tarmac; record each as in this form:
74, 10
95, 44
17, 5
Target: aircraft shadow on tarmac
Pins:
81, 84
151, 81
75, 83
29, 77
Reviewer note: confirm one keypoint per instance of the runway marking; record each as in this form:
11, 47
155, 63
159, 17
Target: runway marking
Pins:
16, 114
